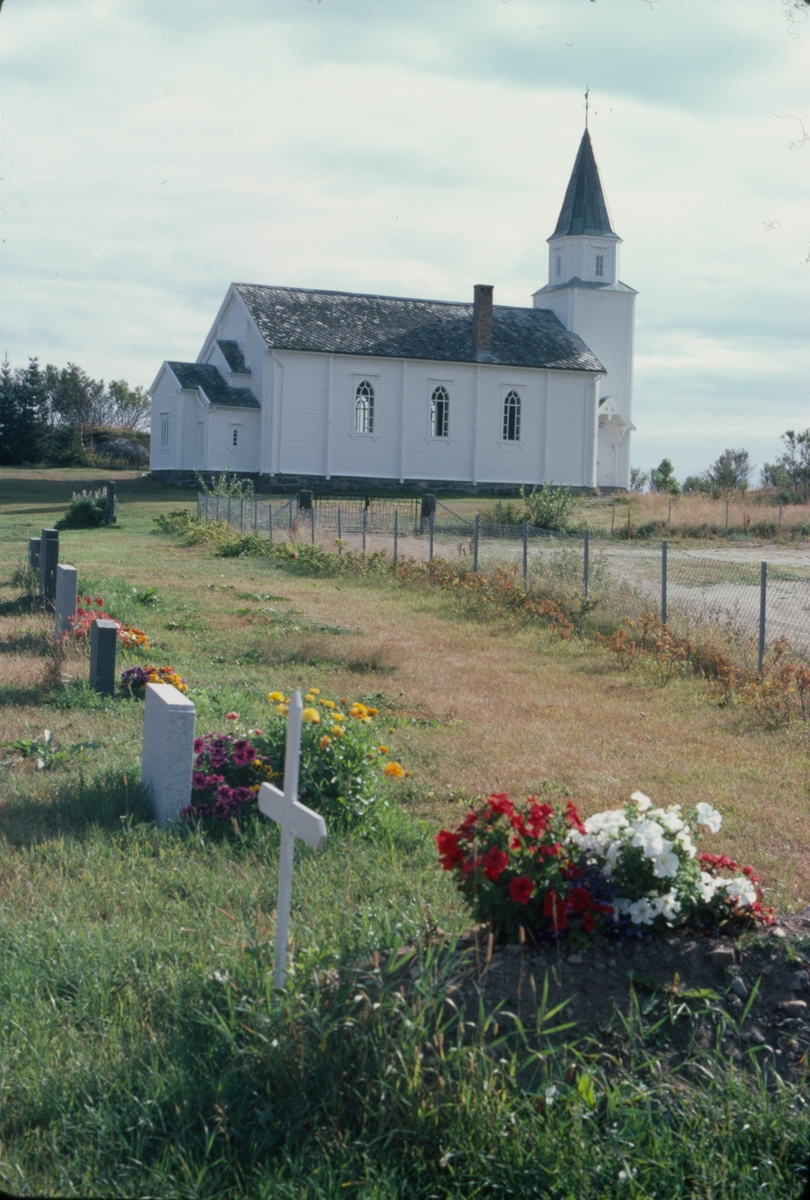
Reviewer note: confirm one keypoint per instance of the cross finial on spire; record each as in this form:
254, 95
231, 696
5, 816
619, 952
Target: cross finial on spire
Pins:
587, 94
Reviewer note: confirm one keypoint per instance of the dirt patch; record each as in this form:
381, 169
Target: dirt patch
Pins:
750, 993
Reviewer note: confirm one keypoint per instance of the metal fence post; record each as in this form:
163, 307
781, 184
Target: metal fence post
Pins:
255, 514
396, 534
763, 587
291, 520
312, 523
525, 551
585, 548
229, 510
476, 531
217, 508
613, 518
241, 514
365, 522
430, 525
270, 520
780, 513
199, 505
663, 583
340, 548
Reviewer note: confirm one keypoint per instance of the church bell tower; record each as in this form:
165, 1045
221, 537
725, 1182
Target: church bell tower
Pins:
584, 291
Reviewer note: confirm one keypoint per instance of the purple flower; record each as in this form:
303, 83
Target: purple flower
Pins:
199, 745
243, 753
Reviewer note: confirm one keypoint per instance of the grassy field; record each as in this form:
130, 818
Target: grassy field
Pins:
143, 1050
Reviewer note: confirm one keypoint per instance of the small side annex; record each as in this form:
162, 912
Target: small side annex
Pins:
293, 384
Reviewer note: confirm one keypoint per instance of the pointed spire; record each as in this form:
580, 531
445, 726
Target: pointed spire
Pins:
584, 211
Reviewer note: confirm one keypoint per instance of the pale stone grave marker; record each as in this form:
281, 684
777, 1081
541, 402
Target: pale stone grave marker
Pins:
67, 590
103, 643
296, 820
168, 750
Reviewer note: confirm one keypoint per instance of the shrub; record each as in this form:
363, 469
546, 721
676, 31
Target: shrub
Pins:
550, 507
85, 512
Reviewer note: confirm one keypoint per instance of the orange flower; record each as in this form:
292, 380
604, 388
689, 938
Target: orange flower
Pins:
325, 741
394, 770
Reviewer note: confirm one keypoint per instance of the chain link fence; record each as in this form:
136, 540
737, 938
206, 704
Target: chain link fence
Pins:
745, 605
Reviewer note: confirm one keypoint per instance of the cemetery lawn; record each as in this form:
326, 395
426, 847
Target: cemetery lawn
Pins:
142, 1050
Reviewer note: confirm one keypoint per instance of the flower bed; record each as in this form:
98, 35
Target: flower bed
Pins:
135, 679
527, 866
93, 610
341, 768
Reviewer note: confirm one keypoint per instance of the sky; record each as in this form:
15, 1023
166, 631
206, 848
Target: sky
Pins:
152, 153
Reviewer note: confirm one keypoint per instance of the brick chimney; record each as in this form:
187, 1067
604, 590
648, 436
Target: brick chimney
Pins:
482, 320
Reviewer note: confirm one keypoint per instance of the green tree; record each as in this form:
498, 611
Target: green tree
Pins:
74, 398
23, 413
662, 478
730, 473
128, 408
638, 479
790, 474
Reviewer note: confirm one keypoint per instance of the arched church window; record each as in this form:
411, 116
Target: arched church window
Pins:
600, 266
439, 412
511, 417
364, 408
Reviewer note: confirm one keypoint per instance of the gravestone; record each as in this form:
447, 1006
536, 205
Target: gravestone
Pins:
67, 587
48, 561
33, 553
168, 750
110, 515
103, 643
296, 820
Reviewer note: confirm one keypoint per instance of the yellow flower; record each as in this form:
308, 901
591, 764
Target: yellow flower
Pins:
325, 741
257, 764
309, 699
394, 770
365, 720
275, 697
338, 717
372, 712
254, 787
383, 749
315, 691
337, 732
311, 716
282, 709
357, 709
328, 703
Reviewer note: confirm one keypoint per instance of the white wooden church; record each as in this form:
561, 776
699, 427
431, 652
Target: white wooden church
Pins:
296, 385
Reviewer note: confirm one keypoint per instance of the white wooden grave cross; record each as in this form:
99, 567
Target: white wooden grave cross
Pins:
296, 820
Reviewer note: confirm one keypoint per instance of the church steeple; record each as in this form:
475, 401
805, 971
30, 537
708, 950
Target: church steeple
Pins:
584, 211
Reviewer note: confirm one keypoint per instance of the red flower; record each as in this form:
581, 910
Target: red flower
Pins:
571, 873
449, 854
554, 909
88, 599
588, 922
549, 851
99, 601
579, 900
520, 889
494, 863
518, 824
538, 818
232, 716
573, 818
468, 824
500, 804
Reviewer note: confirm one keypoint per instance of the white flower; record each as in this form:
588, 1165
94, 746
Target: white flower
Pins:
642, 912
707, 887
708, 816
740, 889
626, 1176
684, 840
671, 822
613, 852
641, 800
665, 865
671, 905
649, 835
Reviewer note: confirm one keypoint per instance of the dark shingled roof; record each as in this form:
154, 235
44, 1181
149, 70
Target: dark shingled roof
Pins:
584, 211
233, 356
208, 378
392, 327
